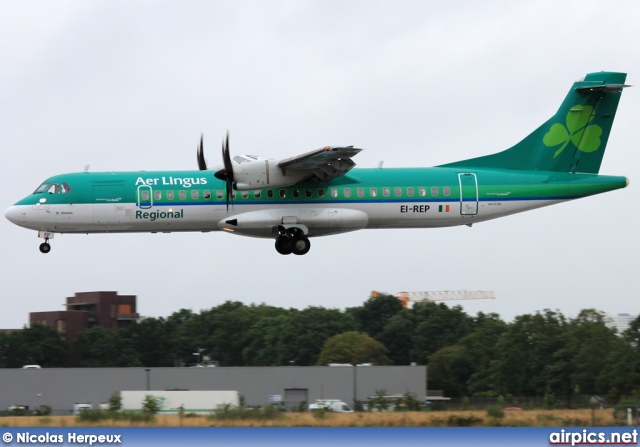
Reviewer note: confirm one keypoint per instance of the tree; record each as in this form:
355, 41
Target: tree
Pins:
481, 348
115, 402
632, 335
621, 373
450, 369
295, 337
375, 313
353, 348
587, 344
525, 353
98, 347
379, 401
153, 342
186, 333
397, 336
225, 331
437, 326
151, 405
35, 345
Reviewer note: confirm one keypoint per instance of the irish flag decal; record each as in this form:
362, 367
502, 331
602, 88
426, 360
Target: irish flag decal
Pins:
444, 208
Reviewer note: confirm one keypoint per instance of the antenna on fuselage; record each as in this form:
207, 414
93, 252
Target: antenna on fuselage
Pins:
86, 168
380, 163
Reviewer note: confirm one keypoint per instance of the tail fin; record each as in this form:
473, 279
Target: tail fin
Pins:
574, 139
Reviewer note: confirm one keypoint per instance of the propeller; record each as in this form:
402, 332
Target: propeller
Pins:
226, 173
202, 164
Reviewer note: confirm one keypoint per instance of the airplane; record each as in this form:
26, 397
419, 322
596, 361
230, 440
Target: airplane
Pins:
320, 193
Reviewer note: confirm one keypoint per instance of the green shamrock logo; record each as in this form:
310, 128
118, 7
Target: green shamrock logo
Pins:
586, 138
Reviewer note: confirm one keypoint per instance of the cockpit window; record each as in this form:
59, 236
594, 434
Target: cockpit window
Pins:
42, 188
53, 188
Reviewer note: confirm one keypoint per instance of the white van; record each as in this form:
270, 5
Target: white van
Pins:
79, 408
334, 405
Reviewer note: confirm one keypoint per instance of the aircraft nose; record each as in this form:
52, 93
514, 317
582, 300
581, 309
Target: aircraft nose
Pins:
13, 215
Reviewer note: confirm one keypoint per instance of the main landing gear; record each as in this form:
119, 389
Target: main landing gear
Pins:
293, 241
45, 247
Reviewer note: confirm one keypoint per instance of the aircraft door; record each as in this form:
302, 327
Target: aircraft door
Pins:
145, 197
468, 194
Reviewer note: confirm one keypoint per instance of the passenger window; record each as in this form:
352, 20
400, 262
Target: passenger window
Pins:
373, 192
170, 195
296, 193
256, 193
219, 194
144, 195
157, 195
398, 192
321, 193
308, 193
233, 194
270, 193
347, 192
183, 195
207, 194
422, 191
360, 192
334, 193
194, 195
245, 194
446, 191
385, 192
410, 191
283, 193
434, 191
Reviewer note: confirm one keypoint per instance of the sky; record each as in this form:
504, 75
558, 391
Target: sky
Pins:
130, 85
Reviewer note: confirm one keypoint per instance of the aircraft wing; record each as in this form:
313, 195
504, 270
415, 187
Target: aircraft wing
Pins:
323, 164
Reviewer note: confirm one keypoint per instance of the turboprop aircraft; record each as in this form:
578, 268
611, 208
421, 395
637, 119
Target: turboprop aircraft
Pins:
320, 193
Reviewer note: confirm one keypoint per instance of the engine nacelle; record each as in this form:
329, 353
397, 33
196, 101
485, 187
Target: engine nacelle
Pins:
313, 221
251, 172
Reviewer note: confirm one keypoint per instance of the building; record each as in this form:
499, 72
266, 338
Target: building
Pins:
288, 386
621, 322
88, 309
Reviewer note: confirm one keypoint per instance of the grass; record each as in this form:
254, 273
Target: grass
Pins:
526, 418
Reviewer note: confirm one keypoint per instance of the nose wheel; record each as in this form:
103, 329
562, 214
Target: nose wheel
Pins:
45, 247
292, 241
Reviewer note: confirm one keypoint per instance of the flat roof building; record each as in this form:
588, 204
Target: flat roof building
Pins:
290, 386
621, 322
87, 309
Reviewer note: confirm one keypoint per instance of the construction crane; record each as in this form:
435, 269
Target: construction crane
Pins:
447, 295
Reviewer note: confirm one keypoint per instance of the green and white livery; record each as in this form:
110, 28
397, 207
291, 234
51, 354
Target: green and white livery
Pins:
320, 193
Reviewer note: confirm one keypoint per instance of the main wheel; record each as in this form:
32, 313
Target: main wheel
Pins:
45, 247
301, 245
284, 245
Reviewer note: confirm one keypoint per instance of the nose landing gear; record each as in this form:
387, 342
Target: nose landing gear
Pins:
45, 247
293, 241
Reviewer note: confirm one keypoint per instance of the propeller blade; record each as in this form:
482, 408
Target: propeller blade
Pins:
226, 173
202, 164
226, 157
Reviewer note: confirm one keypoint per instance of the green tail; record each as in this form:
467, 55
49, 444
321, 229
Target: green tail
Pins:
574, 139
